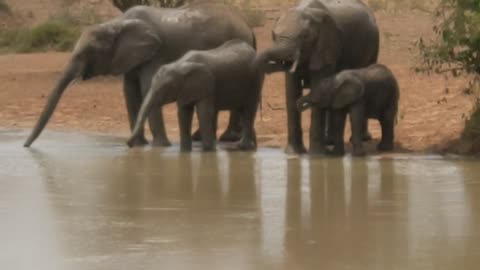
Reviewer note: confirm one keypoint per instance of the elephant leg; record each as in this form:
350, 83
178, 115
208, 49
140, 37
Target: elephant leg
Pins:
328, 128
185, 115
133, 101
317, 132
338, 118
197, 136
249, 138
387, 123
206, 114
155, 118
366, 134
293, 93
233, 133
357, 120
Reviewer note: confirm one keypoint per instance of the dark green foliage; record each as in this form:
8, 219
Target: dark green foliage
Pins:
456, 50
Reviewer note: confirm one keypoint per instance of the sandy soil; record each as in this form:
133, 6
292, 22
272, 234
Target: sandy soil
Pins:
430, 117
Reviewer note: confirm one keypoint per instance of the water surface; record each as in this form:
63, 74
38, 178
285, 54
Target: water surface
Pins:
87, 202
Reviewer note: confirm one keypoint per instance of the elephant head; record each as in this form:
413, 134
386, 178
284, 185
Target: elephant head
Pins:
306, 37
184, 82
111, 48
334, 92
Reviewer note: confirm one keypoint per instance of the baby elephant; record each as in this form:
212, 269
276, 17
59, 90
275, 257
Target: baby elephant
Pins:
212, 80
370, 92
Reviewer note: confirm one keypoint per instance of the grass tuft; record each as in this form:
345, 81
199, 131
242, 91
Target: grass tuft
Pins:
54, 34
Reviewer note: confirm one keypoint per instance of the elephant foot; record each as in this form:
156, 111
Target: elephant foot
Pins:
359, 152
137, 142
295, 149
336, 152
367, 136
231, 136
245, 145
329, 141
196, 136
385, 147
209, 148
317, 150
161, 142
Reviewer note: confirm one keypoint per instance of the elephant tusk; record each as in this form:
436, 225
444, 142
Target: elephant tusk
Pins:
293, 69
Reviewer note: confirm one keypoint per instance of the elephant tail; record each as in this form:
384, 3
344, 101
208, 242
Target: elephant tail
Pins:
254, 40
259, 86
396, 97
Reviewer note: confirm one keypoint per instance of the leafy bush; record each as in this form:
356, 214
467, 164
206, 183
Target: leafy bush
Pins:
54, 34
456, 50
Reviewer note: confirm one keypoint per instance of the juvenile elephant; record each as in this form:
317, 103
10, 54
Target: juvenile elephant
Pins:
219, 79
312, 41
136, 43
370, 92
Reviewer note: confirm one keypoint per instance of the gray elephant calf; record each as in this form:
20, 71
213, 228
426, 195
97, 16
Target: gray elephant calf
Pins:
370, 92
219, 79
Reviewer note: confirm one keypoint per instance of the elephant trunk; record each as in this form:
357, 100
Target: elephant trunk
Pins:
62, 84
281, 57
304, 103
145, 109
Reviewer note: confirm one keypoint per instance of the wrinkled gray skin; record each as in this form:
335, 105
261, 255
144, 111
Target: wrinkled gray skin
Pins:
210, 81
370, 93
136, 43
312, 41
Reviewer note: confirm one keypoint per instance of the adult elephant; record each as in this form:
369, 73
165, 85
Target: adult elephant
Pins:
136, 43
312, 41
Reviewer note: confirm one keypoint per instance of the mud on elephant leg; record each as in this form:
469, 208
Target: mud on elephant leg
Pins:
293, 93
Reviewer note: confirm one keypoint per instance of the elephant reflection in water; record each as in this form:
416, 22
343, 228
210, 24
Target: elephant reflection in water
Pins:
122, 200
341, 229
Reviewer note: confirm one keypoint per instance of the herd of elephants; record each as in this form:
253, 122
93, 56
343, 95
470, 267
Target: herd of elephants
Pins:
203, 56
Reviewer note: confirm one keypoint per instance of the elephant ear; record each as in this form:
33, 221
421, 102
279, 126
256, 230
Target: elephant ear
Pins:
135, 43
327, 47
198, 82
349, 90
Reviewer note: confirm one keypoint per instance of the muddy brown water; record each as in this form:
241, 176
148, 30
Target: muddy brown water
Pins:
87, 202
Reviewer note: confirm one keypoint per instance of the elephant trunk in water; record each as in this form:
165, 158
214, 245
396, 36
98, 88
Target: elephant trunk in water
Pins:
142, 117
68, 76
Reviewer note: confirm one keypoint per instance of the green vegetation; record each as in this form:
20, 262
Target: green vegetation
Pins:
456, 50
5, 8
55, 34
